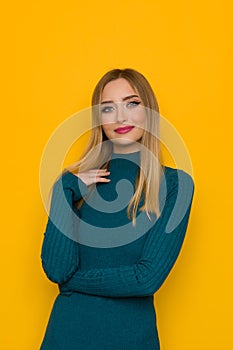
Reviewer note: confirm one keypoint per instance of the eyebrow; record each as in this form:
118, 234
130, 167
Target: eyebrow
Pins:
124, 99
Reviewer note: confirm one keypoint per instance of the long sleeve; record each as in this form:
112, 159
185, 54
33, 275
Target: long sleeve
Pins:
159, 253
59, 253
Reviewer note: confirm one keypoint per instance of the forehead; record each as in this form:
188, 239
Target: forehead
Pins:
116, 90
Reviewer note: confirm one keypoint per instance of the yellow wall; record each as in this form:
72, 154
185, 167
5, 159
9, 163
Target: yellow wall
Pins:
53, 55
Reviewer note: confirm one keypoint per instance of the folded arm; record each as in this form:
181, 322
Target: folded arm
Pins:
158, 256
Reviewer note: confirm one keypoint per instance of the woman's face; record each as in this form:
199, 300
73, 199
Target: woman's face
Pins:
122, 116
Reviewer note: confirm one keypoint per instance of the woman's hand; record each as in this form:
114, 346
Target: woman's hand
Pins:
93, 176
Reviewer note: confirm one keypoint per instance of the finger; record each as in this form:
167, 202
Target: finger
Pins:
98, 171
106, 173
101, 179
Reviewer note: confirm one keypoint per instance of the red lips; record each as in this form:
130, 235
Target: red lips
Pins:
124, 129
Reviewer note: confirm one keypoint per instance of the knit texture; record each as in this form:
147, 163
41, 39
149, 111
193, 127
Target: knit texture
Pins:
106, 294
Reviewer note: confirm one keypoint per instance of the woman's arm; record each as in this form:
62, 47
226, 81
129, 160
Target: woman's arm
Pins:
159, 252
60, 248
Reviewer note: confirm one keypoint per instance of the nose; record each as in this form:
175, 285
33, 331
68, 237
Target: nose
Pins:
121, 114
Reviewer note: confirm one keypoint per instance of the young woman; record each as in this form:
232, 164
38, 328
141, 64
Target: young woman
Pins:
117, 221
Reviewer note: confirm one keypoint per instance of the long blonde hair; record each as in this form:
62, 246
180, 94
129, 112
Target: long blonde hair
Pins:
98, 152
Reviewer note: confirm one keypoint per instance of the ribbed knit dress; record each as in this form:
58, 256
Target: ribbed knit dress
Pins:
107, 269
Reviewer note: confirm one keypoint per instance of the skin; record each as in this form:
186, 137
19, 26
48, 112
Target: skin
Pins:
118, 109
121, 107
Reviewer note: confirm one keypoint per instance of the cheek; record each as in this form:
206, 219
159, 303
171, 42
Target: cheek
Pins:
107, 120
139, 118
139, 133
106, 128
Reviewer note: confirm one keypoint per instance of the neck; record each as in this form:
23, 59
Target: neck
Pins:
123, 149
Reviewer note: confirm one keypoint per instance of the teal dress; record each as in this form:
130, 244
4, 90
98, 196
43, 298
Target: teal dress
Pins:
107, 269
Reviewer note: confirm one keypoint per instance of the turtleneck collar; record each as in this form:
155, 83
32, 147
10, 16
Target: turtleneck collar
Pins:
124, 165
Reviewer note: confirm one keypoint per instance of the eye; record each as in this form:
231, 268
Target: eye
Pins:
133, 103
107, 109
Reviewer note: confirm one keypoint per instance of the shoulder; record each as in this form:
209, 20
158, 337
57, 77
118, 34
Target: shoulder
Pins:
66, 178
67, 181
176, 194
175, 178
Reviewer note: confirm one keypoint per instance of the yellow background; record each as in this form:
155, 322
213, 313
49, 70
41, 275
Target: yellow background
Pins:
52, 56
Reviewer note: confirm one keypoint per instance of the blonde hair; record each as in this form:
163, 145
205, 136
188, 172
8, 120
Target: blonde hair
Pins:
98, 152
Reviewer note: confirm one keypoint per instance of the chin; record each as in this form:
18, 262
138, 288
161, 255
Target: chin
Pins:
123, 142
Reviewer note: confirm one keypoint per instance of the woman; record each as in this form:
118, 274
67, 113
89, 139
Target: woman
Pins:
117, 222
